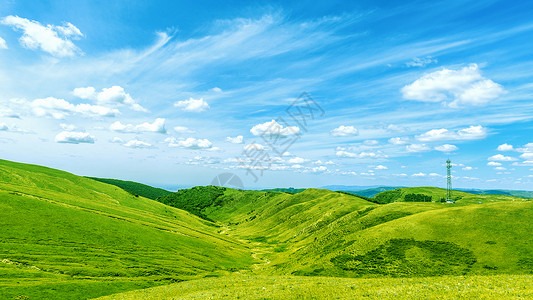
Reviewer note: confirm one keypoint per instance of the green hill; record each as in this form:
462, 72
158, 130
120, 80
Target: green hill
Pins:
69, 237
135, 188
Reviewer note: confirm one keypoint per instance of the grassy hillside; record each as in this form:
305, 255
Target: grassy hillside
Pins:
319, 232
69, 237
460, 197
373, 191
135, 188
287, 287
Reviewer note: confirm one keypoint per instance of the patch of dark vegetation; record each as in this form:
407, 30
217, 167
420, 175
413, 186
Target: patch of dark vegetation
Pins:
526, 264
417, 198
407, 257
195, 200
387, 197
490, 242
135, 188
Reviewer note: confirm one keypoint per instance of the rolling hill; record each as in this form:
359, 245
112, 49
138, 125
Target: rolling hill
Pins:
135, 188
70, 237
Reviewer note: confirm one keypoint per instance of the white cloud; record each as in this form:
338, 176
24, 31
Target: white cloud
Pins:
183, 129
470, 133
190, 143
67, 127
3, 44
8, 113
399, 140
421, 62
413, 148
319, 169
434, 175
464, 87
273, 128
468, 169
500, 168
254, 146
527, 156
116, 140
51, 39
343, 153
137, 144
60, 108
192, 105
505, 147
235, 140
493, 164
419, 174
396, 128
74, 137
499, 157
297, 160
13, 128
115, 95
400, 175
446, 148
381, 167
370, 142
157, 126
344, 131
216, 90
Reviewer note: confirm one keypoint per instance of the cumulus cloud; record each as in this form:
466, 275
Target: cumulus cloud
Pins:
74, 137
60, 108
505, 147
192, 105
421, 62
3, 44
470, 133
319, 169
395, 128
462, 87
67, 127
216, 90
235, 140
137, 144
446, 148
55, 40
527, 156
381, 167
499, 157
157, 126
493, 164
7, 112
468, 169
115, 95
273, 128
419, 174
190, 143
344, 131
399, 140
413, 148
183, 129
116, 140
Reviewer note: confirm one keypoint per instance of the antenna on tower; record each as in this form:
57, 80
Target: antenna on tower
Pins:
449, 198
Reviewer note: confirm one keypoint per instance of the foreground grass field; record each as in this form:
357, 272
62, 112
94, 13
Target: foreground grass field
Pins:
285, 287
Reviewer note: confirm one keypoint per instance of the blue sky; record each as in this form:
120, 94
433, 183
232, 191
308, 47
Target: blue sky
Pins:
173, 93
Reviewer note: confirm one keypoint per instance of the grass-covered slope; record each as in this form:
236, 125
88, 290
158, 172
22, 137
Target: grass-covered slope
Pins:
135, 188
69, 237
437, 194
290, 287
325, 233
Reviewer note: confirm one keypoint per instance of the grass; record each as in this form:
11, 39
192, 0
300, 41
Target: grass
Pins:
287, 287
69, 237
135, 188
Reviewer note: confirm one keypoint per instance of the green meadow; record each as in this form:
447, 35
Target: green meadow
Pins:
69, 237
